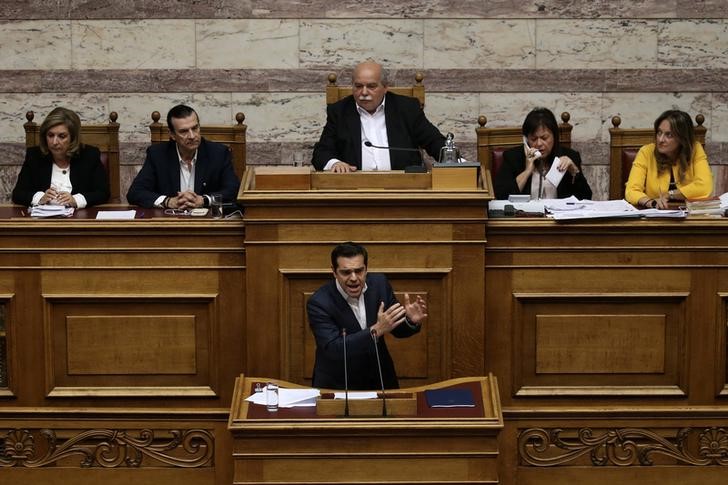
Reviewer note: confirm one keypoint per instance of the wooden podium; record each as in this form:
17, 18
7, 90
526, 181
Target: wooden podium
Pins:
436, 445
428, 242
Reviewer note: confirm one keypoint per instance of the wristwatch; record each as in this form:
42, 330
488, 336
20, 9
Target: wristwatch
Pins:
671, 194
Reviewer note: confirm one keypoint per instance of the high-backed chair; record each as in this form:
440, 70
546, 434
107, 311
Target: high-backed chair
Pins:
624, 145
105, 137
492, 142
417, 90
231, 135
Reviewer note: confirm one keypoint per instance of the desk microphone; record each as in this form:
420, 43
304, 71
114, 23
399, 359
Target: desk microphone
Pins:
346, 377
379, 367
396, 149
415, 168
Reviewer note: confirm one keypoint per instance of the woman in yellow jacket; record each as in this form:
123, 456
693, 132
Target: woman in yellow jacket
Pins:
673, 168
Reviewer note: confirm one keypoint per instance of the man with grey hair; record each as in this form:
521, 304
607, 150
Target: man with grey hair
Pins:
373, 117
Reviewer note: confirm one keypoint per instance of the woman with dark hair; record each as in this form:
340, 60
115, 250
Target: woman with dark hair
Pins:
525, 167
62, 170
674, 168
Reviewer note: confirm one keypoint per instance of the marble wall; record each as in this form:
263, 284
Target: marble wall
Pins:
270, 60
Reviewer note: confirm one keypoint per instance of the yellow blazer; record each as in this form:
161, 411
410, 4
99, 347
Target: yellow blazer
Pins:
644, 180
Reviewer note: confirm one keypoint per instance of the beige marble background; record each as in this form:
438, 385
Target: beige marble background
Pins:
270, 60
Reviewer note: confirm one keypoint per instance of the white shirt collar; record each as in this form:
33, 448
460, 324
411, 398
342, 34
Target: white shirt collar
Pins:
179, 157
349, 299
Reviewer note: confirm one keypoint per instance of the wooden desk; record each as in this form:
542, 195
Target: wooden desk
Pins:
456, 445
614, 333
115, 327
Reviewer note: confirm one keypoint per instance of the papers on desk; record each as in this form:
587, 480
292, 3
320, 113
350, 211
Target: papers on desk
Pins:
289, 398
50, 210
598, 209
116, 215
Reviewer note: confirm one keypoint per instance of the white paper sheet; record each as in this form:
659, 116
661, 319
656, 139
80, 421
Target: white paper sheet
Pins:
288, 398
554, 175
116, 215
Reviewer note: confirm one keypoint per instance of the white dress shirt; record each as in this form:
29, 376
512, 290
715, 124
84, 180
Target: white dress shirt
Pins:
374, 130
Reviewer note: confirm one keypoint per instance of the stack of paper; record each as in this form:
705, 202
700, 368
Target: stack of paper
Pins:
50, 210
597, 209
711, 205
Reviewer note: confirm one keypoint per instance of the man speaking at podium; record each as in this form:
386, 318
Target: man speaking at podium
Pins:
351, 314
374, 129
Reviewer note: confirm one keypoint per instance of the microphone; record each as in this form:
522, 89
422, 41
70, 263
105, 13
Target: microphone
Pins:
415, 168
396, 149
346, 377
379, 367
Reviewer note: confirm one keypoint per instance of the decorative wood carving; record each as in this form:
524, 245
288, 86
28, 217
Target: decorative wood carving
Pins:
541, 447
108, 448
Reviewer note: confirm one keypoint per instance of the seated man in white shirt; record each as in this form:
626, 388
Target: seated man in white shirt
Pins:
373, 116
182, 173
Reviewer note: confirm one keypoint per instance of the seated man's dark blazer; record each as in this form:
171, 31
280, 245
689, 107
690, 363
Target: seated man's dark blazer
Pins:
159, 175
407, 127
328, 314
88, 176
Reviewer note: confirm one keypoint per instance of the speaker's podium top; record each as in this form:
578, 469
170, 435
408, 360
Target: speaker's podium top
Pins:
485, 414
457, 180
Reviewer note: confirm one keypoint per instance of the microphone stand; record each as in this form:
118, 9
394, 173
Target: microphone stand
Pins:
381, 379
418, 165
346, 378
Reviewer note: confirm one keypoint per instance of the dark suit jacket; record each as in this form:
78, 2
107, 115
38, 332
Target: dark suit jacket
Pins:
514, 162
328, 313
407, 127
88, 176
160, 173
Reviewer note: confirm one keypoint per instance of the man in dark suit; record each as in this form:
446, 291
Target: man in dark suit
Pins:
364, 306
381, 118
181, 173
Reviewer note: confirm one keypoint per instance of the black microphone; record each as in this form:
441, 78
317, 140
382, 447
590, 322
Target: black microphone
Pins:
381, 379
415, 168
346, 377
396, 149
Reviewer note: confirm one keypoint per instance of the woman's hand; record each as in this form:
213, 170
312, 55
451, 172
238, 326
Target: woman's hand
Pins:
49, 196
65, 199
566, 163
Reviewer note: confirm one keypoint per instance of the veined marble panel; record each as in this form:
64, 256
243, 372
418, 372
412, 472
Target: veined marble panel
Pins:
505, 44
144, 9
35, 44
692, 43
598, 178
639, 110
257, 43
105, 9
135, 110
91, 108
456, 113
510, 109
337, 43
133, 44
282, 116
702, 9
718, 128
595, 44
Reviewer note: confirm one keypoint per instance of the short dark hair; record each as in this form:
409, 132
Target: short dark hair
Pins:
542, 118
180, 111
348, 250
682, 128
